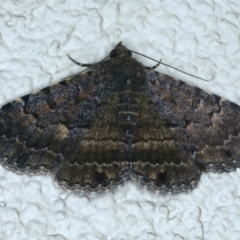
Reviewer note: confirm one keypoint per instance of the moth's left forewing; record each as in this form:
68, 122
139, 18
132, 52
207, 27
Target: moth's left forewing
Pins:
58, 129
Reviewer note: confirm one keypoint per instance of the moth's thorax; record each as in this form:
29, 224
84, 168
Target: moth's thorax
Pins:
125, 73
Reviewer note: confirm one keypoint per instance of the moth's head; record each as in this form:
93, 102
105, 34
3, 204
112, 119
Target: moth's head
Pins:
120, 51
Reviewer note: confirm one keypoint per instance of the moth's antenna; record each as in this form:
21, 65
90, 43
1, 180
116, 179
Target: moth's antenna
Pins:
160, 62
87, 64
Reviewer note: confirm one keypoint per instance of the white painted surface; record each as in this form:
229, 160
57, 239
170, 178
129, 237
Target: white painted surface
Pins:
200, 37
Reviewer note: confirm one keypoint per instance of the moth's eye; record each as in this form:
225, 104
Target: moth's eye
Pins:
130, 53
113, 53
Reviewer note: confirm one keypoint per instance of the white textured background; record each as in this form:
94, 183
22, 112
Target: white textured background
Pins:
200, 37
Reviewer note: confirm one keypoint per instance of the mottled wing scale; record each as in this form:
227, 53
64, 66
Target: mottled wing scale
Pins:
98, 160
205, 130
209, 123
161, 160
50, 131
121, 121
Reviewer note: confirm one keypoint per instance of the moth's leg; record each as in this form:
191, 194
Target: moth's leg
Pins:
155, 66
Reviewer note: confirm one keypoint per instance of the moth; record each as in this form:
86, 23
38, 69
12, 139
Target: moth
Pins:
118, 121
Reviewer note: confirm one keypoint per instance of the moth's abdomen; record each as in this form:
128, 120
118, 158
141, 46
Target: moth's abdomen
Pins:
127, 115
127, 121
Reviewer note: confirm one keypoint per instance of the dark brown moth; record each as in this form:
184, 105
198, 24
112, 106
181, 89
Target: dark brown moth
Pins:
119, 121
